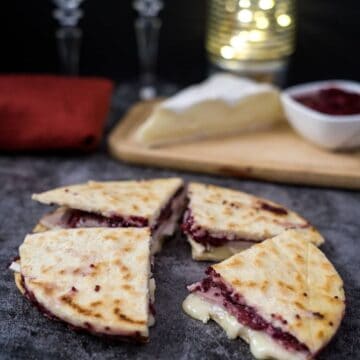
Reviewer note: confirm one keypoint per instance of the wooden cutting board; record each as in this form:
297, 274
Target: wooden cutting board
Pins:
277, 155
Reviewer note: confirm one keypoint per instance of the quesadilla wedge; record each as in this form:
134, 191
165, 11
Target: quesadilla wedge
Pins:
97, 280
220, 222
156, 203
282, 296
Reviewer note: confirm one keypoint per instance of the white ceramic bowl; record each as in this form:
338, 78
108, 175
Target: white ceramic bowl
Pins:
335, 132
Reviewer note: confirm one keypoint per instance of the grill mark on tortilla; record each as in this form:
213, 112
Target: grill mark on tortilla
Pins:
75, 306
96, 303
124, 317
278, 210
127, 276
131, 337
46, 287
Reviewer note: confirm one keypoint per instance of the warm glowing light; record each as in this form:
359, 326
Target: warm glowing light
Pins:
251, 34
227, 52
256, 35
230, 6
284, 20
244, 3
262, 22
245, 16
266, 4
238, 41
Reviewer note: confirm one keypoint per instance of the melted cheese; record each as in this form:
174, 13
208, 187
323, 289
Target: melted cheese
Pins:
15, 266
216, 253
168, 227
262, 346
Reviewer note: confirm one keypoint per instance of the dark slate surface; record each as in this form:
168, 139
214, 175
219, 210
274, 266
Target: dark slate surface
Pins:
25, 334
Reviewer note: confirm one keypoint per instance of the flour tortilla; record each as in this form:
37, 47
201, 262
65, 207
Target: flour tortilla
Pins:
230, 213
289, 277
143, 198
95, 279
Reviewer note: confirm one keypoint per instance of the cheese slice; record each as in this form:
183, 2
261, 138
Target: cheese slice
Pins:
220, 106
262, 346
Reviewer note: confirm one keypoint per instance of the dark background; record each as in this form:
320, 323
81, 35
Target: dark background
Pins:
327, 44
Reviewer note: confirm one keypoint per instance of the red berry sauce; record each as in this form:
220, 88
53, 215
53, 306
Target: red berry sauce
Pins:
214, 287
332, 101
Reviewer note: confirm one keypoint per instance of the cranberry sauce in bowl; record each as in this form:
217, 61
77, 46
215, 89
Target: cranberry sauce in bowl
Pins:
332, 101
326, 113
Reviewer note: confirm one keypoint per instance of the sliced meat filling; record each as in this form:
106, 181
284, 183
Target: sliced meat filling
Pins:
215, 290
212, 239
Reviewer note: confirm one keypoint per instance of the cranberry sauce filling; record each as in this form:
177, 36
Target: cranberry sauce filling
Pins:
274, 209
131, 337
79, 218
203, 236
206, 238
215, 289
333, 101
167, 210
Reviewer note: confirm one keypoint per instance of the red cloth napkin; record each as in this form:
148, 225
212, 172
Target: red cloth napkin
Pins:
52, 112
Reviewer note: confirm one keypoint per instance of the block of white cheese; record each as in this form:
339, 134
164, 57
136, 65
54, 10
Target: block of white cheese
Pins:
222, 105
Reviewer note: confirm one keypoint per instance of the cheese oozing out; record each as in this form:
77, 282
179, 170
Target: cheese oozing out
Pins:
209, 245
262, 346
216, 253
15, 266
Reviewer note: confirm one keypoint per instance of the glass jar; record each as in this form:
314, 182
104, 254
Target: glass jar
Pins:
251, 37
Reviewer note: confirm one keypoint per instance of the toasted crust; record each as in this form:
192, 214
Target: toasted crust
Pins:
143, 198
39, 228
227, 211
18, 282
90, 278
291, 284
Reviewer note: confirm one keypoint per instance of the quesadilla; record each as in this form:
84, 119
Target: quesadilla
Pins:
156, 203
282, 296
223, 105
220, 222
97, 280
